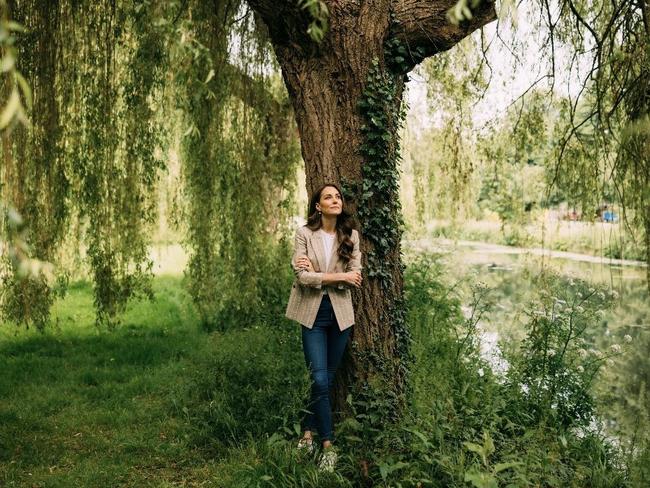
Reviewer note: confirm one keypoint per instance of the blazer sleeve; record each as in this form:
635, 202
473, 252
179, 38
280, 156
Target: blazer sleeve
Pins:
306, 278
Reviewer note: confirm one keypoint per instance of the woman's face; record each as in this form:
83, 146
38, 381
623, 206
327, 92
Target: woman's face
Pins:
330, 202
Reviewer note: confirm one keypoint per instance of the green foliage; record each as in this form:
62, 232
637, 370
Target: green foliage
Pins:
605, 136
583, 181
556, 366
379, 212
515, 155
319, 13
465, 424
26, 300
400, 58
117, 86
34, 178
624, 394
238, 156
247, 392
12, 83
112, 145
95, 69
379, 205
443, 158
462, 11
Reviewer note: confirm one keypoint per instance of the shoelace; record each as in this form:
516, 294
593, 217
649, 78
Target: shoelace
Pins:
306, 444
328, 460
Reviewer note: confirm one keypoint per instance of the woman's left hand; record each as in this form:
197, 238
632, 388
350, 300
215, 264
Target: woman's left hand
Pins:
304, 263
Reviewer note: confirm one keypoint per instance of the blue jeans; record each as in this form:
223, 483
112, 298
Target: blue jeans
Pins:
323, 346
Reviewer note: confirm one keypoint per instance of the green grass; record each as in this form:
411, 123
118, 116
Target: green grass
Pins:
159, 402
88, 407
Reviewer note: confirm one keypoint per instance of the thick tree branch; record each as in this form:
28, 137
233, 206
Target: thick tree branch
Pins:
420, 23
423, 24
285, 21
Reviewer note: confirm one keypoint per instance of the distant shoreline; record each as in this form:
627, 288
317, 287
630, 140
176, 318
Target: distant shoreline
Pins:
430, 244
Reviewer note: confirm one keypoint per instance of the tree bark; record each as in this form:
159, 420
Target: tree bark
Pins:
325, 83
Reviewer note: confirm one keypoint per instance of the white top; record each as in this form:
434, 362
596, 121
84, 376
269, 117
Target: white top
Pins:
328, 242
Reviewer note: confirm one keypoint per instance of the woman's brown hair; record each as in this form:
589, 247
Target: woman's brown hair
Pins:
344, 222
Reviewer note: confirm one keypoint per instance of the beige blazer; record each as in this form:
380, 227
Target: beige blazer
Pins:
307, 288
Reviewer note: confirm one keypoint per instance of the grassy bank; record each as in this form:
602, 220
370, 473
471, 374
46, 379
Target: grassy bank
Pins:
161, 402
82, 407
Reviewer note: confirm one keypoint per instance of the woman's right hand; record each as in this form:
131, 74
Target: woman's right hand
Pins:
352, 278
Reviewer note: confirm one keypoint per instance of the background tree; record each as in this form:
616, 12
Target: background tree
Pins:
607, 122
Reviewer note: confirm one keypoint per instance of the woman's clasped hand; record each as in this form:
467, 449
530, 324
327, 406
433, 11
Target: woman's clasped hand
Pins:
303, 262
351, 277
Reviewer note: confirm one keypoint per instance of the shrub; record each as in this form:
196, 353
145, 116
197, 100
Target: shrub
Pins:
468, 427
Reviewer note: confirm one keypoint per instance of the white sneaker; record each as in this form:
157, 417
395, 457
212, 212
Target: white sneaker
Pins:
306, 445
328, 460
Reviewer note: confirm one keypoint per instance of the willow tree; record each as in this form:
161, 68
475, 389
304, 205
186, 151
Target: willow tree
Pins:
238, 160
38, 191
93, 67
105, 76
346, 92
609, 120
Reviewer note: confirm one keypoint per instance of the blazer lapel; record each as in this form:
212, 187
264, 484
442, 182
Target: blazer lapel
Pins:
319, 249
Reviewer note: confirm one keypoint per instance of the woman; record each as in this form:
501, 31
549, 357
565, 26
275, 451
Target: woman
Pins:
327, 264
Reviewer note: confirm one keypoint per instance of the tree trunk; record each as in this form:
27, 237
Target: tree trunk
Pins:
325, 84
325, 90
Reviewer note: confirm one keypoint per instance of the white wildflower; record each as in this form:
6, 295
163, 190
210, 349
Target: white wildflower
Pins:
614, 294
627, 338
581, 369
615, 348
582, 353
609, 362
481, 372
